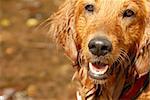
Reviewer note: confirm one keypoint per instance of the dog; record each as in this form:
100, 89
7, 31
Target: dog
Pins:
108, 42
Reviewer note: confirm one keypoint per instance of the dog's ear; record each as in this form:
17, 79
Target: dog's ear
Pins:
143, 60
62, 28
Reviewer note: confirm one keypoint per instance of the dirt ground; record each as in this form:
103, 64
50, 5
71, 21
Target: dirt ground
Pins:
31, 67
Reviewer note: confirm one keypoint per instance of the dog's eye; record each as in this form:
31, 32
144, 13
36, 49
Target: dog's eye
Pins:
89, 7
128, 13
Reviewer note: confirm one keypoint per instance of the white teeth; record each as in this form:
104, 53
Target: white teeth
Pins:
98, 71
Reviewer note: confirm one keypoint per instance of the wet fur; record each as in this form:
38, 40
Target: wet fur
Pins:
72, 28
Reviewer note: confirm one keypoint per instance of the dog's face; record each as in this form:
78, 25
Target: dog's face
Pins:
107, 32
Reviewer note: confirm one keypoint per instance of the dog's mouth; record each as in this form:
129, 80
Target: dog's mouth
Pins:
99, 71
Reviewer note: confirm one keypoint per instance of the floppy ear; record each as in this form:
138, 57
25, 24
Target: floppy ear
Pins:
143, 60
62, 28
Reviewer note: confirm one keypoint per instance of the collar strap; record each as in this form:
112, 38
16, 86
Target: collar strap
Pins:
137, 88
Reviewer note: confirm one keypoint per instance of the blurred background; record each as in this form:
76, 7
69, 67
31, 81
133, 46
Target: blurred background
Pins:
31, 67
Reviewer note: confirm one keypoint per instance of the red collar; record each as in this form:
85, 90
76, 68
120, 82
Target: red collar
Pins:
136, 89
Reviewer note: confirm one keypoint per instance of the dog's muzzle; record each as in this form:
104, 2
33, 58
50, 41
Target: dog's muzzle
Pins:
99, 47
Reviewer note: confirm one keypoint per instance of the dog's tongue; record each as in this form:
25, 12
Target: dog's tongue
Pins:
98, 69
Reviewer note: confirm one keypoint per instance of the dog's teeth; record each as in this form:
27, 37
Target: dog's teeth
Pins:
98, 71
92, 69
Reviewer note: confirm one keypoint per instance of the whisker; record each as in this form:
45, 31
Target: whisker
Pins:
125, 56
123, 60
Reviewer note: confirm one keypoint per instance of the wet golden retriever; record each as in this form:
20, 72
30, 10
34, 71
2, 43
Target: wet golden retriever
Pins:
108, 42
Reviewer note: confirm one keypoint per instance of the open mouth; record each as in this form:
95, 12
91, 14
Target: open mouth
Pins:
99, 71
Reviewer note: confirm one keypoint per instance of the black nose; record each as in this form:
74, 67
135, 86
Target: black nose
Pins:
100, 46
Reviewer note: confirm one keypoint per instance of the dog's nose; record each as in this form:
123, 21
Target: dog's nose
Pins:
100, 46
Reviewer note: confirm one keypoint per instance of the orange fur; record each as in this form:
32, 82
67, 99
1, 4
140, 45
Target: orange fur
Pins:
72, 28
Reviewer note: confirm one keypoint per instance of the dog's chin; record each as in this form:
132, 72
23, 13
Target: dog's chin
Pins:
100, 73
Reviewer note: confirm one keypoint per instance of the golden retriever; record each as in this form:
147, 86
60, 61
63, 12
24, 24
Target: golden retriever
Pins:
108, 42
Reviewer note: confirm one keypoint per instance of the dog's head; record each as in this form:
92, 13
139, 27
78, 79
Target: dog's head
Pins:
105, 33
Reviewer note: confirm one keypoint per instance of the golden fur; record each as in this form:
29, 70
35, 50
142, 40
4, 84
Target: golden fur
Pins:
72, 28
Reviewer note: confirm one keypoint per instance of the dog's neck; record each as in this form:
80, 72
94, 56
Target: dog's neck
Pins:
113, 88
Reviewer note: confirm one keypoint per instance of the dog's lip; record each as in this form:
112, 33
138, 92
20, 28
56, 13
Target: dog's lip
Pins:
100, 72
